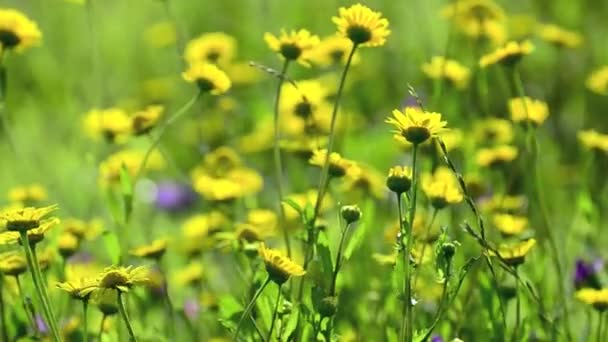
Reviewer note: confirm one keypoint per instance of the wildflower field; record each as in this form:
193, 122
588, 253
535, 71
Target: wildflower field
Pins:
306, 170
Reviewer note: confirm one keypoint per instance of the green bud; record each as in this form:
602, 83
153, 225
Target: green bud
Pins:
350, 213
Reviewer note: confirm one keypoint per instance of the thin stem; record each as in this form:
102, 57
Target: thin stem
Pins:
249, 307
440, 310
123, 312
600, 324
534, 148
162, 130
85, 307
406, 260
325, 171
30, 319
517, 310
3, 119
170, 327
274, 315
32, 263
101, 325
332, 291
426, 236
2, 317
409, 331
278, 165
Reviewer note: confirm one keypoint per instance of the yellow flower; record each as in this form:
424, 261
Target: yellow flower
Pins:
305, 199
441, 188
593, 140
493, 131
333, 50
236, 183
303, 103
362, 26
198, 231
528, 110
17, 31
478, 19
366, 180
399, 179
161, 34
189, 275
338, 166
23, 219
504, 203
112, 124
597, 82
208, 77
27, 194
304, 147
597, 298
495, 156
35, 235
144, 120
82, 229
109, 169
515, 254
12, 264
278, 266
559, 36
262, 218
293, 45
67, 244
450, 70
508, 55
415, 125
154, 250
120, 278
510, 224
214, 47
78, 288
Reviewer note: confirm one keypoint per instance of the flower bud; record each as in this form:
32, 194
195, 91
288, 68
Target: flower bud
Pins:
350, 213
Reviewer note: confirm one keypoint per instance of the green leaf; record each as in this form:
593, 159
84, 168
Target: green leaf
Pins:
112, 245
230, 311
126, 187
324, 254
294, 205
290, 326
361, 231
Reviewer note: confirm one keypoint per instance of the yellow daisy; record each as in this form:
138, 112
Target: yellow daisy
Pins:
508, 55
12, 264
559, 36
17, 31
154, 250
214, 47
144, 120
441, 68
598, 298
528, 110
27, 194
441, 188
496, 156
597, 82
493, 131
415, 125
112, 124
293, 45
399, 179
278, 266
594, 140
338, 166
362, 26
23, 219
208, 77
510, 224
333, 50
119, 278
34, 235
67, 244
515, 254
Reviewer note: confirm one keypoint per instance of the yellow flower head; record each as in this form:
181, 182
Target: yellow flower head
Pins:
82, 229
303, 199
597, 298
12, 264
67, 244
208, 77
112, 124
78, 288
34, 235
559, 36
441, 188
528, 110
191, 274
293, 45
122, 278
236, 183
510, 224
333, 50
593, 140
399, 179
278, 266
27, 194
496, 156
362, 26
493, 131
597, 82
338, 166
504, 203
199, 230
109, 169
365, 180
415, 125
154, 250
144, 120
302, 102
515, 254
441, 68
262, 218
214, 47
508, 54
24, 219
17, 31
478, 19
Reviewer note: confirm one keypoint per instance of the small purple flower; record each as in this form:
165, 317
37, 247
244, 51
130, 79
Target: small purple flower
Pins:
586, 273
173, 196
41, 325
436, 338
191, 309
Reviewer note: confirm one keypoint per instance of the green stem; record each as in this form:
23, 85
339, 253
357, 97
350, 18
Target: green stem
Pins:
125, 317
3, 119
2, 316
533, 148
32, 263
278, 165
332, 291
406, 260
274, 315
100, 333
426, 236
325, 171
409, 332
517, 310
249, 307
600, 324
30, 318
440, 310
85, 307
163, 129
170, 327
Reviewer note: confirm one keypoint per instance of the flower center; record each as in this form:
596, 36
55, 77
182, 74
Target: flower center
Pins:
290, 51
9, 39
22, 225
205, 85
336, 55
303, 109
359, 34
416, 134
213, 56
113, 279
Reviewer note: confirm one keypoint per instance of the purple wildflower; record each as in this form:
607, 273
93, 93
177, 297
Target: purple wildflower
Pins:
436, 338
586, 274
191, 309
173, 196
41, 325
